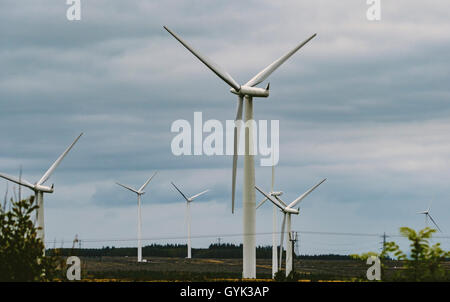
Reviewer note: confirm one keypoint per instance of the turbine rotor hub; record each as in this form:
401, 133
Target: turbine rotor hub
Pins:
251, 91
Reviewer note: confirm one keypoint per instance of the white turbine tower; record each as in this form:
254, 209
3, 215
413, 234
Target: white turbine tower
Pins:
188, 216
139, 229
39, 190
274, 223
287, 211
427, 215
247, 91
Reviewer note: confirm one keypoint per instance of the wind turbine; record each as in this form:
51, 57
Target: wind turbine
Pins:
287, 211
427, 215
139, 193
247, 91
274, 223
39, 189
188, 215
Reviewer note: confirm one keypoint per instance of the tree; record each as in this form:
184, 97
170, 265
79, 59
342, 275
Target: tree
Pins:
21, 252
424, 261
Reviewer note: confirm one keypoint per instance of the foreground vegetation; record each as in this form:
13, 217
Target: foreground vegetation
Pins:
21, 252
422, 263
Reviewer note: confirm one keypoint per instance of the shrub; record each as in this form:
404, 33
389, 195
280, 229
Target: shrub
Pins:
424, 261
21, 252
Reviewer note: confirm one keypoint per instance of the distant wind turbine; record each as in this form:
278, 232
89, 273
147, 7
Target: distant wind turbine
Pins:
39, 189
139, 193
188, 215
427, 215
287, 211
274, 223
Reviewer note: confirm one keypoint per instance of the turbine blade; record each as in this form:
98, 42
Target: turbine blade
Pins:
301, 197
262, 75
429, 206
261, 203
219, 71
127, 187
280, 201
146, 183
282, 239
431, 218
197, 195
180, 192
57, 162
20, 181
274, 201
237, 132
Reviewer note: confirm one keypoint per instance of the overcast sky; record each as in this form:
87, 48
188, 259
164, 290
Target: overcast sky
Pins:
365, 104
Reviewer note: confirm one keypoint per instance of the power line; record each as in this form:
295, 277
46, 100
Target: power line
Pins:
256, 234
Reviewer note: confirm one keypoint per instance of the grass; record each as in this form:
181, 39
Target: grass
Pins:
211, 270
181, 269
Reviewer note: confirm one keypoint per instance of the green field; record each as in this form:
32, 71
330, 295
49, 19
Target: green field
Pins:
181, 269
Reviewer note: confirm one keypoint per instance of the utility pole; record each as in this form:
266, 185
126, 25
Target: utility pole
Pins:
218, 240
384, 241
75, 241
293, 237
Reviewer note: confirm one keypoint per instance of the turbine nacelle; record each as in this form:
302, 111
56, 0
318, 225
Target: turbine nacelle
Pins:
276, 194
291, 211
251, 91
45, 189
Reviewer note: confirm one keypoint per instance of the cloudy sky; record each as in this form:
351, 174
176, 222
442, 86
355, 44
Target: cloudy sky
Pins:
365, 104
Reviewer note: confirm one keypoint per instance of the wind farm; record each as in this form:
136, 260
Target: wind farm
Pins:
180, 171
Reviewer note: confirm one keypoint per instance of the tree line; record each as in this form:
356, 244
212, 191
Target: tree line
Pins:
221, 251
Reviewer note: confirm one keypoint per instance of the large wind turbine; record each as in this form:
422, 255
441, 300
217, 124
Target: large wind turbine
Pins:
287, 211
247, 91
427, 215
188, 215
39, 190
139, 231
274, 223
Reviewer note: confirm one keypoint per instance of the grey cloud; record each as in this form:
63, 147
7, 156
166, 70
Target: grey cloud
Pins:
364, 104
